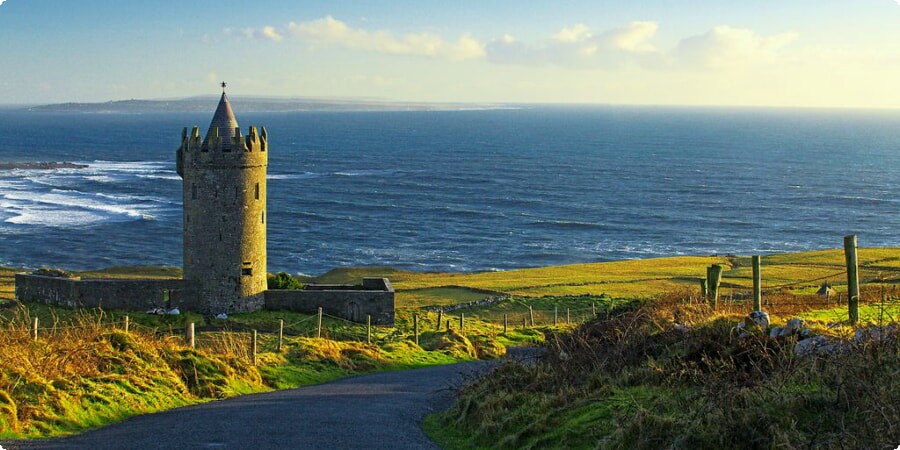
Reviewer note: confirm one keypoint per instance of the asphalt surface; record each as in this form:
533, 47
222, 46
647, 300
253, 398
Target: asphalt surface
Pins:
378, 411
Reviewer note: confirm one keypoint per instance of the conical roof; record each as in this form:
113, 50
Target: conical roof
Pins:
224, 120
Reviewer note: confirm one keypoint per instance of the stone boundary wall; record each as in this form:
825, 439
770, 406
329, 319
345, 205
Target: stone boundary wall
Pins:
375, 299
134, 295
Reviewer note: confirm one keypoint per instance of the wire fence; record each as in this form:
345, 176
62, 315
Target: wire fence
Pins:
494, 315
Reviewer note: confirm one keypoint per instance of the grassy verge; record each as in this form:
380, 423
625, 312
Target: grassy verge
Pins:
637, 381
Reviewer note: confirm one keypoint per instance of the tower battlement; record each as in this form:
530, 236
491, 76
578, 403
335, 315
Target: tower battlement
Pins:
218, 150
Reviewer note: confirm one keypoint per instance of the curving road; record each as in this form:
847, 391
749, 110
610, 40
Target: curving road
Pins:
378, 411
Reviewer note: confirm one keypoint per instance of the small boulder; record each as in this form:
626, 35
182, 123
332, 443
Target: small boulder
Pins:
157, 311
814, 346
873, 333
760, 318
174, 312
222, 316
794, 326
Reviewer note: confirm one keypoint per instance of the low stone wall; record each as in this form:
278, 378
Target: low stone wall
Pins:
134, 295
375, 299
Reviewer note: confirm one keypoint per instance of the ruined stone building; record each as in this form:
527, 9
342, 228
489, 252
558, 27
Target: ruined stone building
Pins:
224, 192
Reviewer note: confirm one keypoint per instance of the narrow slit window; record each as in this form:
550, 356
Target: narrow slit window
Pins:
263, 217
256, 192
247, 268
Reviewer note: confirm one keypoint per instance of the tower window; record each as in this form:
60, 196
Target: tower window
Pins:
247, 268
256, 192
263, 217
220, 236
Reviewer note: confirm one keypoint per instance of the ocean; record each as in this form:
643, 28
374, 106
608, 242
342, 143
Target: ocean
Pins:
466, 190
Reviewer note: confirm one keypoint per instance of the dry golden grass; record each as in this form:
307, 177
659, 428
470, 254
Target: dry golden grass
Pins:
7, 284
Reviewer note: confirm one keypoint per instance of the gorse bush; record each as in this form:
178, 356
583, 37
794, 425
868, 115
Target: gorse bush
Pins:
637, 381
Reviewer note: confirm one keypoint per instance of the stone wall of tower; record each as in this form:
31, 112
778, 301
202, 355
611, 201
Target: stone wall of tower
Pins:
224, 193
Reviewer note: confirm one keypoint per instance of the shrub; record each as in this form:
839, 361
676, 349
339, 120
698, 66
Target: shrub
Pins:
283, 280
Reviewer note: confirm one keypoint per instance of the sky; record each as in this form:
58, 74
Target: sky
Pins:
790, 53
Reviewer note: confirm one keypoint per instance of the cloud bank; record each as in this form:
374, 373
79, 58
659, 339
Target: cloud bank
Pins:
575, 47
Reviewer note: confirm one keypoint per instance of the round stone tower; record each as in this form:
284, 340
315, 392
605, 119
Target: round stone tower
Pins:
224, 191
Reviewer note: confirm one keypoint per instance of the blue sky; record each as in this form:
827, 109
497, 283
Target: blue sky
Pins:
827, 53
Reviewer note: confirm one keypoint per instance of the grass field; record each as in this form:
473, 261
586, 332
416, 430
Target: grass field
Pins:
47, 388
628, 279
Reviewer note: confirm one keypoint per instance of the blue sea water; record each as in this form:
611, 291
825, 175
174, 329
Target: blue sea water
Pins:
467, 190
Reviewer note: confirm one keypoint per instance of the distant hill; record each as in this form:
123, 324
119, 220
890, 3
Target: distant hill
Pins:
256, 104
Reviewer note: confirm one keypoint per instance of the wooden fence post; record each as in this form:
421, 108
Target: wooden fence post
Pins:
253, 347
594, 309
715, 274
757, 283
319, 326
531, 314
34, 329
850, 254
524, 323
462, 321
505, 323
440, 319
448, 325
369, 328
568, 317
127, 323
280, 334
555, 315
189, 335
416, 327
704, 289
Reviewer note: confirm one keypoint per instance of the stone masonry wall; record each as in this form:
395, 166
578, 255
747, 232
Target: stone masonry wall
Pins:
134, 295
349, 304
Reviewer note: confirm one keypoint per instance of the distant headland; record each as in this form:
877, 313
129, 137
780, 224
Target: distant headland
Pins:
258, 104
31, 165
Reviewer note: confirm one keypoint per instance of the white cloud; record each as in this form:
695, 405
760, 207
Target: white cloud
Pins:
266, 33
725, 47
1, 2
329, 31
578, 46
577, 33
634, 37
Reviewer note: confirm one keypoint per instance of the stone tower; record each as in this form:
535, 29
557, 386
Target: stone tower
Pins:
224, 191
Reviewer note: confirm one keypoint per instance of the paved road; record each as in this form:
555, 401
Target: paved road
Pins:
378, 411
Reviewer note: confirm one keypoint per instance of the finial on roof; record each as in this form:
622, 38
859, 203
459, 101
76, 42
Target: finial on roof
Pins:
224, 84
